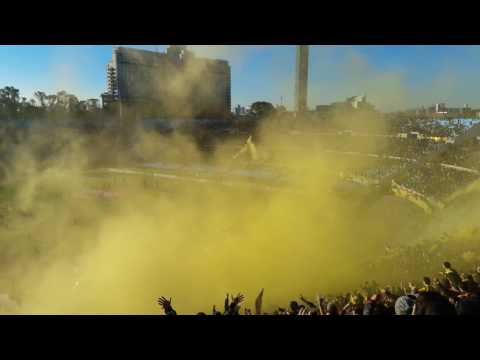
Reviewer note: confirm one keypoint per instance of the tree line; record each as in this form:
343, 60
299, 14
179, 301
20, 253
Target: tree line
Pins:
13, 106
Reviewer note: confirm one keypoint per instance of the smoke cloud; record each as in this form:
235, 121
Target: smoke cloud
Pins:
76, 241
68, 252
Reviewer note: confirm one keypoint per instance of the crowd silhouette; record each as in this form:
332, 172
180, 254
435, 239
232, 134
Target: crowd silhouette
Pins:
451, 293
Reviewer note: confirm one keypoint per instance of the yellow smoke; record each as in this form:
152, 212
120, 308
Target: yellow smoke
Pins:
67, 252
193, 242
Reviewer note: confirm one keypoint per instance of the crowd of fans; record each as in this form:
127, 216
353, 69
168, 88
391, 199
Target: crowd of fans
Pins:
451, 293
412, 148
433, 179
444, 291
430, 127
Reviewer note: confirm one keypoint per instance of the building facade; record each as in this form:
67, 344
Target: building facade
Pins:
174, 84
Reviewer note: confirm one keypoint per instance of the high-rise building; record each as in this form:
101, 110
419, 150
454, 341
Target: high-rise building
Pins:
240, 110
169, 85
301, 79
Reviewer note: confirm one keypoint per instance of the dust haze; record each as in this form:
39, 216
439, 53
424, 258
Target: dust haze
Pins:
65, 251
76, 243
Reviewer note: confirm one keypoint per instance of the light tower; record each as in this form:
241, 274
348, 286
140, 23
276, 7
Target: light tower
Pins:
301, 79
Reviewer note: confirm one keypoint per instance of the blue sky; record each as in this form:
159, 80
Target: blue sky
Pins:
393, 77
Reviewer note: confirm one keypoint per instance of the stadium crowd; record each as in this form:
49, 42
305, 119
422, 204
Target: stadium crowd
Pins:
451, 293
439, 290
433, 179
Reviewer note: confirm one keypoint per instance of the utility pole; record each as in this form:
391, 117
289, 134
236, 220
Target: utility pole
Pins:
301, 79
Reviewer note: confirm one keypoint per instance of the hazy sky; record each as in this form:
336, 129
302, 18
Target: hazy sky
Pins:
393, 77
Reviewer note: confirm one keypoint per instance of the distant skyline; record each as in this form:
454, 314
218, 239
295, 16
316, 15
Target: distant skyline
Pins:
392, 77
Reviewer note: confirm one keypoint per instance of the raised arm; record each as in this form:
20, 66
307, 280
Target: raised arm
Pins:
227, 304
167, 306
309, 303
234, 305
319, 303
258, 303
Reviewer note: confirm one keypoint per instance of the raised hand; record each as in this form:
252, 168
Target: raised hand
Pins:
258, 303
166, 305
227, 303
233, 308
237, 299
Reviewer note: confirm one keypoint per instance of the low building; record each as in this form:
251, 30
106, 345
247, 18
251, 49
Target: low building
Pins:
351, 103
91, 104
322, 108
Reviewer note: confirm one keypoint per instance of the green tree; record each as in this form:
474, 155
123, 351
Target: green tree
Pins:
42, 98
67, 102
262, 108
9, 101
10, 95
51, 102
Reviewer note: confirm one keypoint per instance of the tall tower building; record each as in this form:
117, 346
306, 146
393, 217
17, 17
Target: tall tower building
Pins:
301, 79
